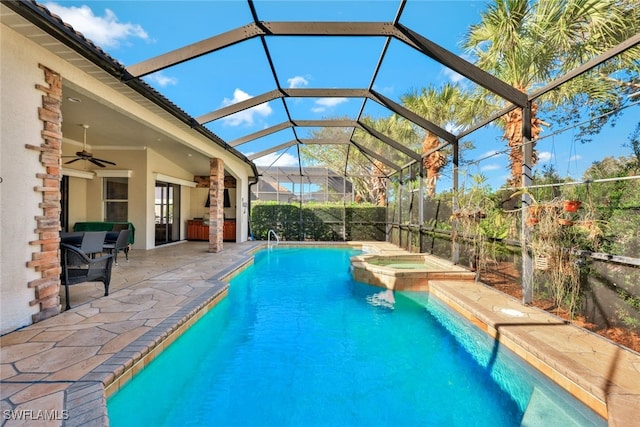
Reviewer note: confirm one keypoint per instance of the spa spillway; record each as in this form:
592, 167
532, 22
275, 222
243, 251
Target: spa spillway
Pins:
410, 272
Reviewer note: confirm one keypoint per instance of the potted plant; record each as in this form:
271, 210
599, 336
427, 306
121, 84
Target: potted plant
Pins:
571, 200
571, 205
565, 222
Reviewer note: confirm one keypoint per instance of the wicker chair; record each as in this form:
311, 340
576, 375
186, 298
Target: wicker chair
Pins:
77, 267
121, 244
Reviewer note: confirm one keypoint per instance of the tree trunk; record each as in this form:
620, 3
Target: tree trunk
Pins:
379, 183
433, 162
513, 135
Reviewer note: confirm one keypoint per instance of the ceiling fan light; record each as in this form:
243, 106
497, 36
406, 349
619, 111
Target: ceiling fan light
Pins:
86, 154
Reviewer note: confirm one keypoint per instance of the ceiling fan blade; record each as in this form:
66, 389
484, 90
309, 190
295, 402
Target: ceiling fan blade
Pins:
105, 161
96, 162
71, 161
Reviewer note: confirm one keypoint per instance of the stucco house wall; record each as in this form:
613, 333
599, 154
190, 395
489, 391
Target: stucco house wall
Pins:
19, 125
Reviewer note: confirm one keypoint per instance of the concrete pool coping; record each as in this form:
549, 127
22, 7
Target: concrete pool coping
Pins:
66, 365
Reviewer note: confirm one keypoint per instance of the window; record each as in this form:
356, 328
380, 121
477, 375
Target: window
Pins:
116, 199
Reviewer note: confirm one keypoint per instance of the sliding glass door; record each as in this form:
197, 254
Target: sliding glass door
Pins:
167, 210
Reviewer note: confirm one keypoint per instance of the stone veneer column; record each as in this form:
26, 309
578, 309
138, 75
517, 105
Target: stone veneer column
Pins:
216, 207
46, 259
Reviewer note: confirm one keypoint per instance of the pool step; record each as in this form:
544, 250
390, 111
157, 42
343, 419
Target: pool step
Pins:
543, 411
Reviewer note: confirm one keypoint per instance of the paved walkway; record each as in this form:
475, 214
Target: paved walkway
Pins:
58, 372
59, 368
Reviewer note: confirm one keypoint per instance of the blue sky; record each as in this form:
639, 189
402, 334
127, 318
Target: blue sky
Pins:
132, 31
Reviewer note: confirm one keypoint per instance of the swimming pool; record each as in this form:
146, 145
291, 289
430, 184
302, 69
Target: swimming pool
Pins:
317, 348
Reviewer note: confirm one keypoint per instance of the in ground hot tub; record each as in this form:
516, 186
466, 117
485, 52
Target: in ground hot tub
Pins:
408, 272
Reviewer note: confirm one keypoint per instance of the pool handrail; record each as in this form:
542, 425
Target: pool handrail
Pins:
272, 231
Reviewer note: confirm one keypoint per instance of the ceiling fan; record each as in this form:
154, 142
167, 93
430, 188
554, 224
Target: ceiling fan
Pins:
86, 155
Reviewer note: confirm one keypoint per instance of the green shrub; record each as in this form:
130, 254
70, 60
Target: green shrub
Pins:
318, 221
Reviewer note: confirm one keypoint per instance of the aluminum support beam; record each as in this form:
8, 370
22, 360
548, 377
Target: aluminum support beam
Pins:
393, 143
460, 66
272, 150
239, 106
587, 66
325, 93
527, 160
327, 141
376, 156
411, 116
325, 123
260, 134
344, 29
490, 119
455, 245
275, 94
195, 50
292, 123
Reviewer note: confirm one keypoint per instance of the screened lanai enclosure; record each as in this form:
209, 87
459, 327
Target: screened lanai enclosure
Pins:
455, 128
385, 124
286, 184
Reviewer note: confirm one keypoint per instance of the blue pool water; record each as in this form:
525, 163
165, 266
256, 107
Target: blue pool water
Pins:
298, 343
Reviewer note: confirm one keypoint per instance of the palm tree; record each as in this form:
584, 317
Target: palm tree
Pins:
442, 107
527, 44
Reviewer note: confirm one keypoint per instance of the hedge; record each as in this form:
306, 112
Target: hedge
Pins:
319, 222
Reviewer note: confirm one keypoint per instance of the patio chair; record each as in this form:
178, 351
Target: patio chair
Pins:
92, 242
121, 244
72, 237
77, 267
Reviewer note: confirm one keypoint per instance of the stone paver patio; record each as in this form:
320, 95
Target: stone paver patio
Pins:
59, 371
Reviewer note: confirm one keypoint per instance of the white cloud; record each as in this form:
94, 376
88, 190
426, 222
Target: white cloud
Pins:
387, 90
492, 167
330, 102
161, 80
491, 154
323, 104
285, 160
574, 158
544, 156
104, 31
297, 81
453, 76
246, 116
